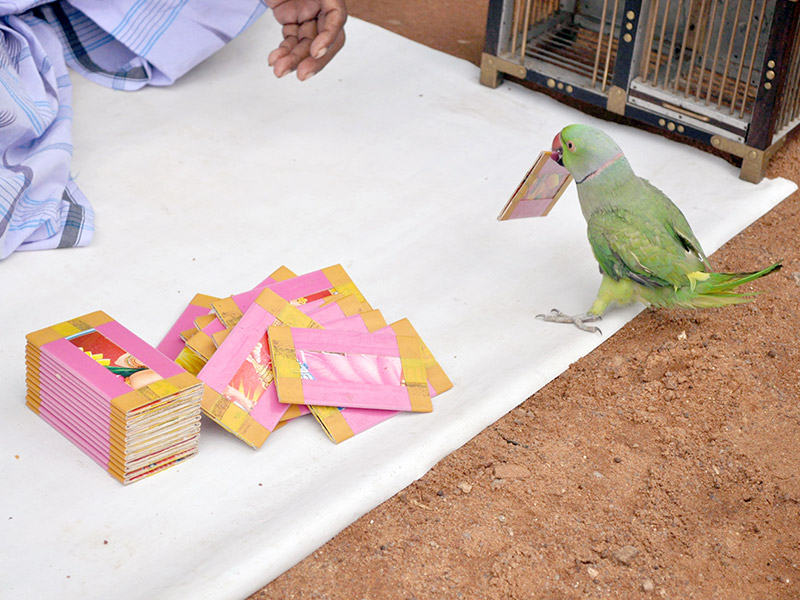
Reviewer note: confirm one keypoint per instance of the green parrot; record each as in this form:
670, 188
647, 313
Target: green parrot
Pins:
645, 247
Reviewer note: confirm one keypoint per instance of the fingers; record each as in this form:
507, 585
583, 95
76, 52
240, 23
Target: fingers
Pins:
332, 17
286, 46
311, 65
313, 32
293, 55
294, 47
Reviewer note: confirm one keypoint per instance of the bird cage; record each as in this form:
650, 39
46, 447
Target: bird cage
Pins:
725, 73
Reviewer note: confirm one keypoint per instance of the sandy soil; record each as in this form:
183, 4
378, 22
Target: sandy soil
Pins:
663, 464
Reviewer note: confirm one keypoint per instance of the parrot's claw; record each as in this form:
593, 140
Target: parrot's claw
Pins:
580, 321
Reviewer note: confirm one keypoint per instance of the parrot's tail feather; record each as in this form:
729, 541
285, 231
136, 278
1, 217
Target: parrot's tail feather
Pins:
715, 300
717, 289
723, 282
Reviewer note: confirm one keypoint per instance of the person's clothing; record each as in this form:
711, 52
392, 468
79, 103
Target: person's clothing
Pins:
122, 44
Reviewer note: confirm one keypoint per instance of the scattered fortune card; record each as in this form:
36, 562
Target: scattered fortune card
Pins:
317, 367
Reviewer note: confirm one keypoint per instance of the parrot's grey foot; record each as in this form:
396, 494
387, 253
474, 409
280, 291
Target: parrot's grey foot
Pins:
580, 321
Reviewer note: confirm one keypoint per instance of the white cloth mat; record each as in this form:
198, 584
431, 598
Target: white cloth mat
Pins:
394, 162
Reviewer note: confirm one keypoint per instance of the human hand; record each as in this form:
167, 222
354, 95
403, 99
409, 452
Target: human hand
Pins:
313, 32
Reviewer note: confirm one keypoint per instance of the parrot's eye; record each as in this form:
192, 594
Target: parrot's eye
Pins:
571, 146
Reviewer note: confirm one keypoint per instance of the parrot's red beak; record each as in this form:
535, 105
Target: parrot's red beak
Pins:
558, 150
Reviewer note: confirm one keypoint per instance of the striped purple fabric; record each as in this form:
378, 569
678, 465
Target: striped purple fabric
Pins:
122, 44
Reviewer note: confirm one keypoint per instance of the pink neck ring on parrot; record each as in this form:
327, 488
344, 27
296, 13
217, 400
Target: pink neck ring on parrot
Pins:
602, 167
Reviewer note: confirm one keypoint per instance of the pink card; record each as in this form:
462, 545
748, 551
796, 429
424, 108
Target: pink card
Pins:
69, 431
78, 353
365, 322
317, 285
341, 306
343, 423
172, 344
198, 306
349, 369
240, 371
539, 191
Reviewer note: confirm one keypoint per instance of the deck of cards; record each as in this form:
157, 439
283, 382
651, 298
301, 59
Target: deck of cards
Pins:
295, 345
251, 362
126, 405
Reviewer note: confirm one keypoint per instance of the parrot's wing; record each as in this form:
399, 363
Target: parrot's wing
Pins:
628, 245
677, 222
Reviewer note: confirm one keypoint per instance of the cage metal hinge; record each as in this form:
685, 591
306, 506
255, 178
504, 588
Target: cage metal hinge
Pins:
754, 161
617, 99
492, 65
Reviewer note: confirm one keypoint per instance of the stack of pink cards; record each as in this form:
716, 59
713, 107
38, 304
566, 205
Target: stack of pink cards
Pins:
126, 405
303, 344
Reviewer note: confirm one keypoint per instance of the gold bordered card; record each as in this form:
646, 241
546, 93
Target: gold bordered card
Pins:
540, 189
341, 424
240, 371
317, 288
229, 312
198, 318
172, 343
319, 367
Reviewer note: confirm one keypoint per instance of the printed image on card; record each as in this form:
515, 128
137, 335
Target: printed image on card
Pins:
253, 377
539, 191
341, 423
349, 368
121, 363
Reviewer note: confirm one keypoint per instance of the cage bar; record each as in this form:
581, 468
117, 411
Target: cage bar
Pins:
742, 54
671, 54
599, 42
706, 48
649, 34
724, 78
695, 43
610, 43
789, 109
525, 26
753, 55
710, 52
683, 48
584, 44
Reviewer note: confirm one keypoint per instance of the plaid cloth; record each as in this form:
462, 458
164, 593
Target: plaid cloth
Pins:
122, 44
